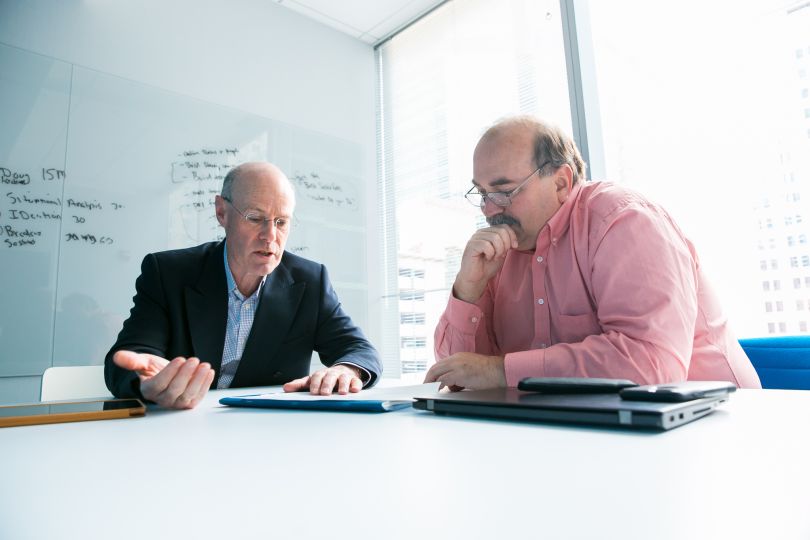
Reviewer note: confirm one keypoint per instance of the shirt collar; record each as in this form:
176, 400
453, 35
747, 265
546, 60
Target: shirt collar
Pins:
232, 288
561, 220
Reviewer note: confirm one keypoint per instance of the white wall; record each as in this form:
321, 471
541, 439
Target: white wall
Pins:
251, 55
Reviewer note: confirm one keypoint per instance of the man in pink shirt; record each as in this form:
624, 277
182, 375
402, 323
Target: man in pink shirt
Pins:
575, 279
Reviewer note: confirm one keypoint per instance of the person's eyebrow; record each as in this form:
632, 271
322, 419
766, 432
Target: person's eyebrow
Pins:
495, 183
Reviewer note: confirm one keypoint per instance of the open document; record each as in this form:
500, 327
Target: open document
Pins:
372, 400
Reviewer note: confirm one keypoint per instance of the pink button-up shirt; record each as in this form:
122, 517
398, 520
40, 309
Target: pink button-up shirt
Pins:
613, 289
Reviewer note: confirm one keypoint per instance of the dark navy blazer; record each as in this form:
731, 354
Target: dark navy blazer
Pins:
181, 309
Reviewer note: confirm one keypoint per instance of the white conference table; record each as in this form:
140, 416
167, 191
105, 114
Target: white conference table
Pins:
218, 472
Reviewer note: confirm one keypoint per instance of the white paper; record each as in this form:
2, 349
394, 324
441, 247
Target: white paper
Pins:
393, 393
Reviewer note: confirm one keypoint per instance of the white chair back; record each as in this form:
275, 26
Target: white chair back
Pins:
73, 382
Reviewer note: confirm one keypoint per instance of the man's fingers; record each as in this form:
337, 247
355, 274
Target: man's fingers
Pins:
315, 381
180, 381
507, 234
356, 385
152, 387
131, 361
186, 399
297, 384
344, 383
145, 365
437, 370
156, 388
327, 384
209, 378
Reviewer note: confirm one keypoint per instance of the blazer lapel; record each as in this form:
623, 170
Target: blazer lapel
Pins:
207, 309
280, 298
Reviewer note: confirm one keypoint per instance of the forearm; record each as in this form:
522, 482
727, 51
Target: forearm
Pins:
610, 355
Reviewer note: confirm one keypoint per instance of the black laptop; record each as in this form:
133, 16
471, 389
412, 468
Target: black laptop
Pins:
596, 409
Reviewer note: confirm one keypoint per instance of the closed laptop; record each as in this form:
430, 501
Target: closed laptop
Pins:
596, 409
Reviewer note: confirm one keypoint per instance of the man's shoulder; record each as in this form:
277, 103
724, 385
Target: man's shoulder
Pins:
299, 266
186, 264
603, 199
187, 255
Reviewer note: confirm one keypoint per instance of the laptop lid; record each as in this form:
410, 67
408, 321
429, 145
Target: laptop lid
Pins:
597, 409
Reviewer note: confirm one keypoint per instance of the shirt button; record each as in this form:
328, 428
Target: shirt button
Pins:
474, 319
542, 345
539, 259
541, 301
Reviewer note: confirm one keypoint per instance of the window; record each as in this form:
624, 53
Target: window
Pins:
469, 62
411, 318
413, 342
802, 326
780, 306
441, 82
799, 305
783, 327
648, 76
768, 306
805, 260
410, 294
797, 283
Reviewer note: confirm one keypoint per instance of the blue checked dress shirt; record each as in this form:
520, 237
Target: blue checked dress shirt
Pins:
241, 311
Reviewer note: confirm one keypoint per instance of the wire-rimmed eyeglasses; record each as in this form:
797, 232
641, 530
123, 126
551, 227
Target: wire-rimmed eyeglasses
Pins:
498, 198
257, 220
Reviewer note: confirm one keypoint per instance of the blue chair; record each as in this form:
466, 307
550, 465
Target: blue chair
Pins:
780, 362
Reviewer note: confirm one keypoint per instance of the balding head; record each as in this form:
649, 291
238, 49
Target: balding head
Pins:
550, 144
241, 177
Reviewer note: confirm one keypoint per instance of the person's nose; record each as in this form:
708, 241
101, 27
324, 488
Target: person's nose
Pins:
268, 231
490, 208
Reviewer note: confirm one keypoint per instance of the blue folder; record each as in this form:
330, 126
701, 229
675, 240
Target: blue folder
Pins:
266, 401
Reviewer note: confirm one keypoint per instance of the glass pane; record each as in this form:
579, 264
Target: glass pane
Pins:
703, 109
444, 80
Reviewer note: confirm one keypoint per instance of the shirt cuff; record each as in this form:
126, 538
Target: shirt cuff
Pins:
365, 376
463, 316
519, 365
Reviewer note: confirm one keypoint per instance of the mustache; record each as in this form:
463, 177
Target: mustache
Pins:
502, 219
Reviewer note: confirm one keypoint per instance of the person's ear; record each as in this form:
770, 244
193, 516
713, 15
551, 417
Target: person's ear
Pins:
219, 205
563, 182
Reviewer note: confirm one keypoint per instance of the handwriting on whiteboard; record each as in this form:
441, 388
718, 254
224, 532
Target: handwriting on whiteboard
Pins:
32, 209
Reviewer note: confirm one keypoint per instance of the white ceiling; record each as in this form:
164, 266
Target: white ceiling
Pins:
366, 20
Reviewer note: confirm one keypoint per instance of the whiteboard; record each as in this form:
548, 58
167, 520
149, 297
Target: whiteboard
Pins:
97, 171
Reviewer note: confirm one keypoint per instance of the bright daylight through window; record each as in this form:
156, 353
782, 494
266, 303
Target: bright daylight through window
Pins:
704, 108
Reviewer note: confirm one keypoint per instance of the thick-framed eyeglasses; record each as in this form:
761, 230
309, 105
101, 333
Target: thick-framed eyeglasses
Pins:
498, 198
257, 220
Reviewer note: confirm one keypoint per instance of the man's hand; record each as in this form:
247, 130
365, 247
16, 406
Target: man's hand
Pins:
468, 370
179, 384
483, 257
323, 382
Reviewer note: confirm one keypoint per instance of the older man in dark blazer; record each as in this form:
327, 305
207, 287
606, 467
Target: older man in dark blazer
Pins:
242, 312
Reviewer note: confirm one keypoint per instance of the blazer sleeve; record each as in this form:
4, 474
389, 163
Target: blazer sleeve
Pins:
337, 339
145, 331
